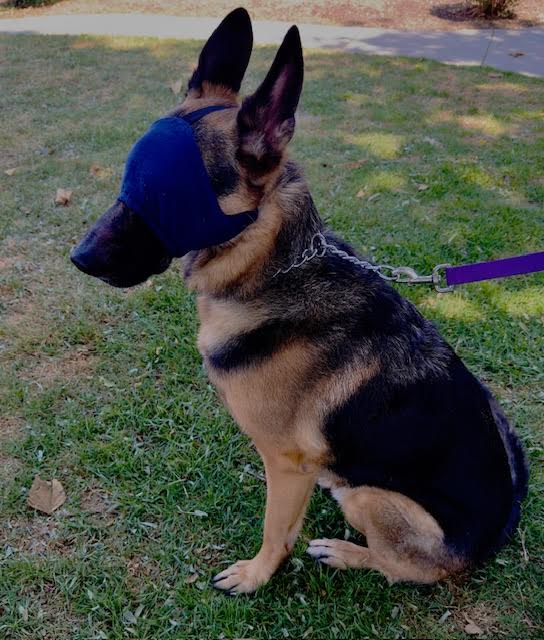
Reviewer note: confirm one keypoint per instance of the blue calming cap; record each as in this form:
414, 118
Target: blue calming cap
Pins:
167, 185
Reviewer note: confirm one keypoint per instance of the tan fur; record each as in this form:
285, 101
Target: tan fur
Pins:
405, 542
269, 414
222, 319
243, 258
209, 94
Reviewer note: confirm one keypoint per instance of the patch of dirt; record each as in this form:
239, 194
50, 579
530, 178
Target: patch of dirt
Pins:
141, 567
11, 429
392, 14
482, 616
20, 280
11, 262
50, 611
9, 466
38, 536
23, 316
99, 505
74, 364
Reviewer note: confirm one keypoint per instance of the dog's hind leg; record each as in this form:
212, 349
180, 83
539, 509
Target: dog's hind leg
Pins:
405, 543
288, 490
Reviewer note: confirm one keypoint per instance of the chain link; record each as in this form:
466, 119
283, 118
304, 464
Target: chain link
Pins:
319, 247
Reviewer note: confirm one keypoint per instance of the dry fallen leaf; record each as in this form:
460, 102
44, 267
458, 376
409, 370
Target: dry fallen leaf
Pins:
422, 187
11, 172
357, 164
176, 87
63, 197
97, 171
46, 496
360, 193
192, 578
473, 629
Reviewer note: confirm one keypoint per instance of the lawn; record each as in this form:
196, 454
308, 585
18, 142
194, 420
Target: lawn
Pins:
415, 163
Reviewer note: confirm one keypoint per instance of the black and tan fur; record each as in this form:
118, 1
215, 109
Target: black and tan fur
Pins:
335, 377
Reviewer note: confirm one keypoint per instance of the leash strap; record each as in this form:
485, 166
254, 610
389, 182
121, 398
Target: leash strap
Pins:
504, 268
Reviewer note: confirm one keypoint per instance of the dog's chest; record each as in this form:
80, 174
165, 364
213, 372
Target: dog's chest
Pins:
260, 395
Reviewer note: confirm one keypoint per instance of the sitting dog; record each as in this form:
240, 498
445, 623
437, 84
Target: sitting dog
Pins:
335, 377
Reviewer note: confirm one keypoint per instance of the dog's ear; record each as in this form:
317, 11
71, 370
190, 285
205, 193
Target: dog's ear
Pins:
266, 120
224, 58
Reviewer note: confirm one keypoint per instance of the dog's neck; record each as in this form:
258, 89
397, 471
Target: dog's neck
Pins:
287, 221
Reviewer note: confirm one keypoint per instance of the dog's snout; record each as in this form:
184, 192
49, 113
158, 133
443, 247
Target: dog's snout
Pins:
80, 258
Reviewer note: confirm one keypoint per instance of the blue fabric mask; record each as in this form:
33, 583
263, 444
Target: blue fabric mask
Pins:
166, 184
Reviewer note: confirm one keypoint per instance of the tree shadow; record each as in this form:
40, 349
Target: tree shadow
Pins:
467, 12
27, 4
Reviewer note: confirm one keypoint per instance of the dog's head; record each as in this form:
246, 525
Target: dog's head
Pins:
242, 149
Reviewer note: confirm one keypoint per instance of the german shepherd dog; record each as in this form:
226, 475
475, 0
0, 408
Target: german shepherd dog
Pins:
335, 377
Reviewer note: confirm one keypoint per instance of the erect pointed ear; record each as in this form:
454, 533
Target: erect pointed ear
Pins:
266, 120
224, 58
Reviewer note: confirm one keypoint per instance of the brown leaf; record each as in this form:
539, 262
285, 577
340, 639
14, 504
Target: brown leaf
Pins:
176, 87
63, 197
360, 193
46, 496
357, 164
100, 172
192, 578
472, 628
422, 187
11, 172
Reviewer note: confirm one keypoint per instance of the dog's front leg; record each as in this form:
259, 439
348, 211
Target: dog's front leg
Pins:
288, 489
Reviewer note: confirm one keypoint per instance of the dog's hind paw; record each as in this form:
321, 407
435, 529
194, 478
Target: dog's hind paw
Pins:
339, 554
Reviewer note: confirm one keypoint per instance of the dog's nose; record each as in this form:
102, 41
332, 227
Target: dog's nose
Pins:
81, 260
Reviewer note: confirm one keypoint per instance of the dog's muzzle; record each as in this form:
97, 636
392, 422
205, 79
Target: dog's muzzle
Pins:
167, 185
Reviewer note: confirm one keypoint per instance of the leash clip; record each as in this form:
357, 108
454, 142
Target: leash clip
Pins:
407, 275
437, 278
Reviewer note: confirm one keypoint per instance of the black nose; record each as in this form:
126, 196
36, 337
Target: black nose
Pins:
82, 260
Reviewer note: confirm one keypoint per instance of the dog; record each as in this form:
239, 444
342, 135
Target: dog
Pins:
334, 376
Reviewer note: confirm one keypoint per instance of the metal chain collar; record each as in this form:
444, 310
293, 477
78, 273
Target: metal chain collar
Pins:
319, 247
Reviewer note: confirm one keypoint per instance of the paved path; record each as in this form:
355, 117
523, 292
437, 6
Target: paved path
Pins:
510, 50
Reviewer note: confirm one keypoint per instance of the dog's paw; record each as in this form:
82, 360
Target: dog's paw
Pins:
339, 554
244, 576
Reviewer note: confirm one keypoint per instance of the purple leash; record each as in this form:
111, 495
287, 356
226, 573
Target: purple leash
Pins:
504, 268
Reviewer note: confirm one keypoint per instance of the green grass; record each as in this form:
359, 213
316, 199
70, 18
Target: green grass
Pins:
104, 389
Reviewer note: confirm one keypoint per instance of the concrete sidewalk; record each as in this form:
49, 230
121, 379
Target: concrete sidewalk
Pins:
521, 50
